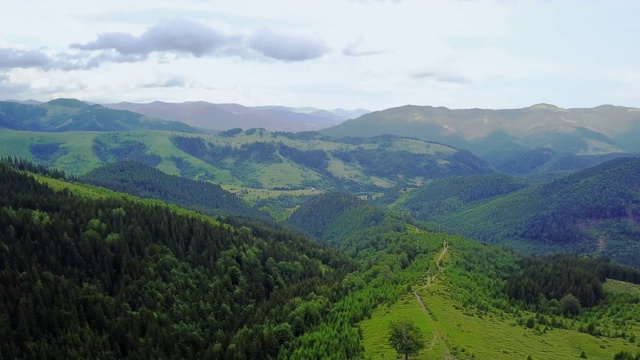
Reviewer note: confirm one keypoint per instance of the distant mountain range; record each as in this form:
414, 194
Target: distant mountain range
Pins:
538, 142
63, 115
508, 138
228, 116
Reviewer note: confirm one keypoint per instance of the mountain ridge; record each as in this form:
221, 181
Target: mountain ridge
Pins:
505, 134
225, 116
62, 115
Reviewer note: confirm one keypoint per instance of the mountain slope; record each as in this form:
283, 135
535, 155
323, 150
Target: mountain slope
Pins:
333, 217
146, 182
255, 158
450, 195
88, 273
593, 210
227, 116
111, 276
63, 115
502, 135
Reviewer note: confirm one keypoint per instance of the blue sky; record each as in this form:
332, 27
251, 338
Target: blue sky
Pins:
371, 54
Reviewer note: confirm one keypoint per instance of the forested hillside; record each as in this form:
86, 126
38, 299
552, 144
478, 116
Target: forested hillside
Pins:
541, 141
146, 182
61, 115
117, 278
92, 274
332, 217
594, 210
357, 165
451, 195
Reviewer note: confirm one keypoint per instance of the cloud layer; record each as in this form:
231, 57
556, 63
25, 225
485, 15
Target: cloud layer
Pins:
179, 36
14, 58
285, 47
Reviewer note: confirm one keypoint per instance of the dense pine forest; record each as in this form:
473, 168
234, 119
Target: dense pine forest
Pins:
146, 182
112, 278
591, 211
118, 277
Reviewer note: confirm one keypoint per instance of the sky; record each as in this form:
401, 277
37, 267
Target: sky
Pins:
371, 54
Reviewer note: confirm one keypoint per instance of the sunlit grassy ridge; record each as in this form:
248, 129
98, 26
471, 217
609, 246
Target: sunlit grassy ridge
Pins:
467, 317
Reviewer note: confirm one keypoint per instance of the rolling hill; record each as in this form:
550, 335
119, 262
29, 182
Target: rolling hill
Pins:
504, 136
252, 159
591, 211
447, 196
334, 217
206, 115
62, 115
146, 182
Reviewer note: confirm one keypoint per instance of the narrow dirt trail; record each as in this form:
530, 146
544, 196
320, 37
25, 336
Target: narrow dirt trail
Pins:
445, 247
430, 281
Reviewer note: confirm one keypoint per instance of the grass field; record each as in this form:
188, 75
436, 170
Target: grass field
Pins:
453, 332
252, 195
621, 287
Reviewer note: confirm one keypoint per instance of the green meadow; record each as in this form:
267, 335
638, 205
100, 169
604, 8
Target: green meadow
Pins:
453, 331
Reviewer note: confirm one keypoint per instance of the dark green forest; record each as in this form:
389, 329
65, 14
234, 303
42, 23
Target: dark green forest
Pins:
558, 276
149, 183
107, 152
113, 278
404, 164
592, 210
451, 194
116, 277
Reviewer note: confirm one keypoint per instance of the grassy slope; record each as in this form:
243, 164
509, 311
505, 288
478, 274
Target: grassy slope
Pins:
96, 192
450, 329
76, 156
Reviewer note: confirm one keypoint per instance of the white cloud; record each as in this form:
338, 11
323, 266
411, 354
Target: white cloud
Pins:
182, 36
15, 58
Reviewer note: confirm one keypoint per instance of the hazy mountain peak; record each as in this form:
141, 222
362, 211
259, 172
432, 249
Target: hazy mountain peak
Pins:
545, 106
70, 103
213, 116
25, 102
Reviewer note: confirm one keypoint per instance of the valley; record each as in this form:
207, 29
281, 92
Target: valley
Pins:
339, 180
307, 245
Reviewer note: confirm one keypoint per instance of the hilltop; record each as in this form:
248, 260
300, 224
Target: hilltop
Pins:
63, 115
504, 137
207, 115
